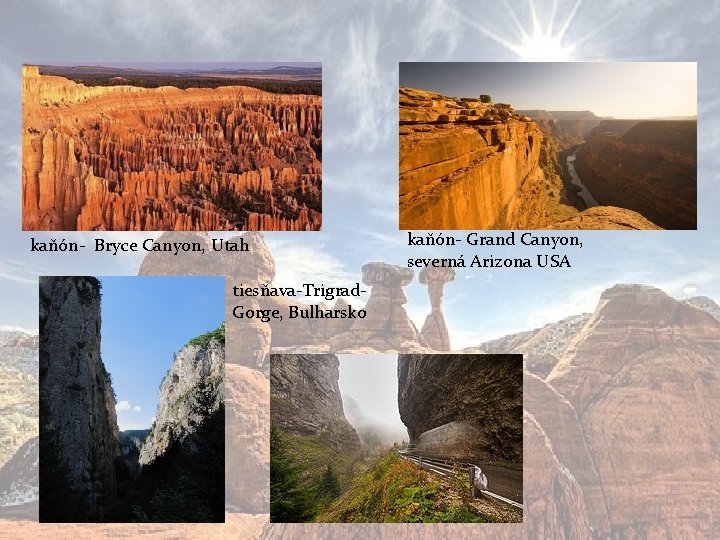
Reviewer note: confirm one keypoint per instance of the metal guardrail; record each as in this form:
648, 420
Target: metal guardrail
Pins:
445, 467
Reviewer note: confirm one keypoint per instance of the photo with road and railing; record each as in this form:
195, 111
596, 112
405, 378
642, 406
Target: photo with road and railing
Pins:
409, 438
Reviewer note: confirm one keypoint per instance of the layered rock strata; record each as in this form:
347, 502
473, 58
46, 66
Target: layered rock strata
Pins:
651, 169
18, 389
606, 218
79, 438
641, 373
130, 158
482, 393
566, 127
468, 165
305, 399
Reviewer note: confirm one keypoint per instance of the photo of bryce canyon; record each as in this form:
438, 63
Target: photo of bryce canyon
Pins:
172, 147
548, 146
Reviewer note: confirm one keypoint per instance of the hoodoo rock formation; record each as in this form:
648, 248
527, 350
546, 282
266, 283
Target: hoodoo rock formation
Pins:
467, 165
387, 325
79, 440
434, 330
465, 406
131, 158
651, 169
247, 449
305, 399
191, 392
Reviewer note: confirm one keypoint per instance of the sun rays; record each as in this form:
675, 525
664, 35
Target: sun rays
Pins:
542, 38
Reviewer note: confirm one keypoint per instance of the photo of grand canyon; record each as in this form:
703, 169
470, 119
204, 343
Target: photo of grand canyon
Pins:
172, 147
548, 145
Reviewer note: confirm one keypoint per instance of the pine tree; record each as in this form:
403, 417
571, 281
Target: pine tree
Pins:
330, 484
289, 502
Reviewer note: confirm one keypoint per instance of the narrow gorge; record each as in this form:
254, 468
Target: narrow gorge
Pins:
89, 471
459, 409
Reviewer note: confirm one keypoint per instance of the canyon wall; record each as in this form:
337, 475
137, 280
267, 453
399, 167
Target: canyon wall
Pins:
567, 127
305, 399
651, 169
129, 158
471, 401
79, 440
18, 389
191, 392
468, 165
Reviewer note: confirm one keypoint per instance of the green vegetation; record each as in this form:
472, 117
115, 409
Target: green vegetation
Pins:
485, 98
204, 340
396, 491
183, 81
307, 474
185, 486
289, 501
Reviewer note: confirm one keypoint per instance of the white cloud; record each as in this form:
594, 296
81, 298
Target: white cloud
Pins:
298, 264
123, 405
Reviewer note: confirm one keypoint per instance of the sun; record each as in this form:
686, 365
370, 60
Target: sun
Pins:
543, 47
540, 36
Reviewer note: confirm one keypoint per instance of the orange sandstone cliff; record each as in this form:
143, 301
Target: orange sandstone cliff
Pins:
467, 165
130, 158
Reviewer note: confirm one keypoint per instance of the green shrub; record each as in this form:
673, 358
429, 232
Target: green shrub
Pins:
485, 98
204, 340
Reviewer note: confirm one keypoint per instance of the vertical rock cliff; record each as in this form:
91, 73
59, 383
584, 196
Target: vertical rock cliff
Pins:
468, 165
641, 372
467, 406
305, 399
191, 392
182, 459
79, 439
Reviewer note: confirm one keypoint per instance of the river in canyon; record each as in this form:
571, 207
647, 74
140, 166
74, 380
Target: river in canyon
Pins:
584, 193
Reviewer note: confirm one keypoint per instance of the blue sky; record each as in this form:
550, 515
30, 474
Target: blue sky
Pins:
145, 320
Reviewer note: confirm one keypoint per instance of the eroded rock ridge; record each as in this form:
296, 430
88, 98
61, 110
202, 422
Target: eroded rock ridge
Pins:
130, 158
465, 164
